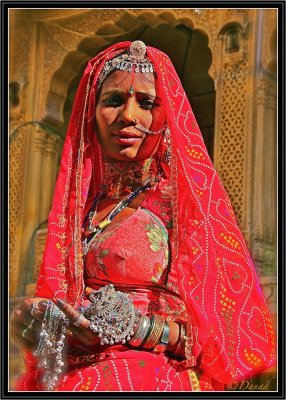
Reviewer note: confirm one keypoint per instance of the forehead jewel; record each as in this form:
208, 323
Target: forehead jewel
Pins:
135, 59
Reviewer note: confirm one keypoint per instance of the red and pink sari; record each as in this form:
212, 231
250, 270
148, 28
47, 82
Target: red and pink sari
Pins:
187, 261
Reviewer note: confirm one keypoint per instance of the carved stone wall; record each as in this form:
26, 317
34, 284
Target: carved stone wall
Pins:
231, 159
16, 162
34, 162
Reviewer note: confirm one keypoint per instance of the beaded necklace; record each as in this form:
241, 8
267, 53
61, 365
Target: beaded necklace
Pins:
118, 170
98, 227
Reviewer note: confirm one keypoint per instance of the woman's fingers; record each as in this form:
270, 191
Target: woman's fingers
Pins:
80, 324
37, 309
29, 310
27, 305
23, 335
23, 343
29, 335
89, 291
73, 315
26, 320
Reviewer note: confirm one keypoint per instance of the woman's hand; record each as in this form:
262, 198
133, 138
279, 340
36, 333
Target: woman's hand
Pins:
79, 326
26, 322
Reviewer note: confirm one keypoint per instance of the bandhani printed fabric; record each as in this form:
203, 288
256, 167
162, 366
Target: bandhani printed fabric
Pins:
230, 329
117, 371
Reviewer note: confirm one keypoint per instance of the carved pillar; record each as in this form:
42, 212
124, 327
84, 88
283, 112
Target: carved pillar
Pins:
31, 201
45, 157
49, 169
16, 188
264, 189
230, 131
264, 182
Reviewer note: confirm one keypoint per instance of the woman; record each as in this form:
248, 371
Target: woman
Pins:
139, 205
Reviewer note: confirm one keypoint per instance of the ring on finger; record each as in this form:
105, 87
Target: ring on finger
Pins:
79, 320
35, 307
70, 333
31, 324
24, 331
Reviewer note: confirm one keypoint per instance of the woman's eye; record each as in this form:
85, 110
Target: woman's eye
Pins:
147, 104
113, 101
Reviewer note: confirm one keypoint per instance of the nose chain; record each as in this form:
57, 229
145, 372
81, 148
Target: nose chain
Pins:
141, 128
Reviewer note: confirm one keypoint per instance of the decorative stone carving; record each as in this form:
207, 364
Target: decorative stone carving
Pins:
264, 256
16, 163
231, 140
267, 92
269, 287
269, 41
233, 40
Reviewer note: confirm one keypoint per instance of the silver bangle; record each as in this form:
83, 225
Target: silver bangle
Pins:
164, 341
141, 332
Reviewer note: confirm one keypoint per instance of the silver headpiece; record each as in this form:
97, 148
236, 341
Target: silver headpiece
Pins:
134, 60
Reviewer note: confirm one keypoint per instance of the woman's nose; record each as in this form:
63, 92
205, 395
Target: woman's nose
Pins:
128, 111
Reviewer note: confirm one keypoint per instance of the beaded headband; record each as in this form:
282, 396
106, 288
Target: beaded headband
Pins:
134, 60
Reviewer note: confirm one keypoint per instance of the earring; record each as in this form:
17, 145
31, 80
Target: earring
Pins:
167, 146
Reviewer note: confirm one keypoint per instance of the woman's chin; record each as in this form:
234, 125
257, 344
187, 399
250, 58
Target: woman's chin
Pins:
127, 154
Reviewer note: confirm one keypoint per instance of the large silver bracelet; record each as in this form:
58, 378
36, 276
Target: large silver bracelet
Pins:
112, 315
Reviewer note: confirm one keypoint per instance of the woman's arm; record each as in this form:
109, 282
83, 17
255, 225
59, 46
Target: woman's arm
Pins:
174, 336
26, 324
87, 336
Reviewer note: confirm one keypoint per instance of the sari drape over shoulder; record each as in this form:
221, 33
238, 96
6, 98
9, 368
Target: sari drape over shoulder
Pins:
209, 274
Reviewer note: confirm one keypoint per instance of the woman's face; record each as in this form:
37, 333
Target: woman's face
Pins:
117, 109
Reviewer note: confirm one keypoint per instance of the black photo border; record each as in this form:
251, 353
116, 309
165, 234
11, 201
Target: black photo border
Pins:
5, 6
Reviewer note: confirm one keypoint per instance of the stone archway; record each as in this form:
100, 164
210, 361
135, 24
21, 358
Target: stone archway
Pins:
163, 31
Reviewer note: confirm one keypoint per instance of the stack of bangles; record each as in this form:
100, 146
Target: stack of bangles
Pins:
114, 318
153, 334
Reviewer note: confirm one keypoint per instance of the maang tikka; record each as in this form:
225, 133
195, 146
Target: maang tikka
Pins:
135, 60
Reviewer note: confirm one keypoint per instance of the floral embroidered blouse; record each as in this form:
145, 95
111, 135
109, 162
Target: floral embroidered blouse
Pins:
134, 256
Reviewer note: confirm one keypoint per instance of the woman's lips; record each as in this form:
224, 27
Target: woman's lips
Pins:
128, 138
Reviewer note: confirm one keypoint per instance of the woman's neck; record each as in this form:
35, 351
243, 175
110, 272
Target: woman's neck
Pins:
123, 177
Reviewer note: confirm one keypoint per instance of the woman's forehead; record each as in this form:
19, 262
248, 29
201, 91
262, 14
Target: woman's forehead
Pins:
122, 80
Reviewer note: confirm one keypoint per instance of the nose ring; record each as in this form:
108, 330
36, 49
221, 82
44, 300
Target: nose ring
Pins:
135, 121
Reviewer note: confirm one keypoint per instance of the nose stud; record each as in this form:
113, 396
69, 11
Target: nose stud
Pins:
131, 90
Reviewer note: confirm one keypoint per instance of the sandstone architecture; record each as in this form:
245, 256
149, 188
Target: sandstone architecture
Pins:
226, 59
